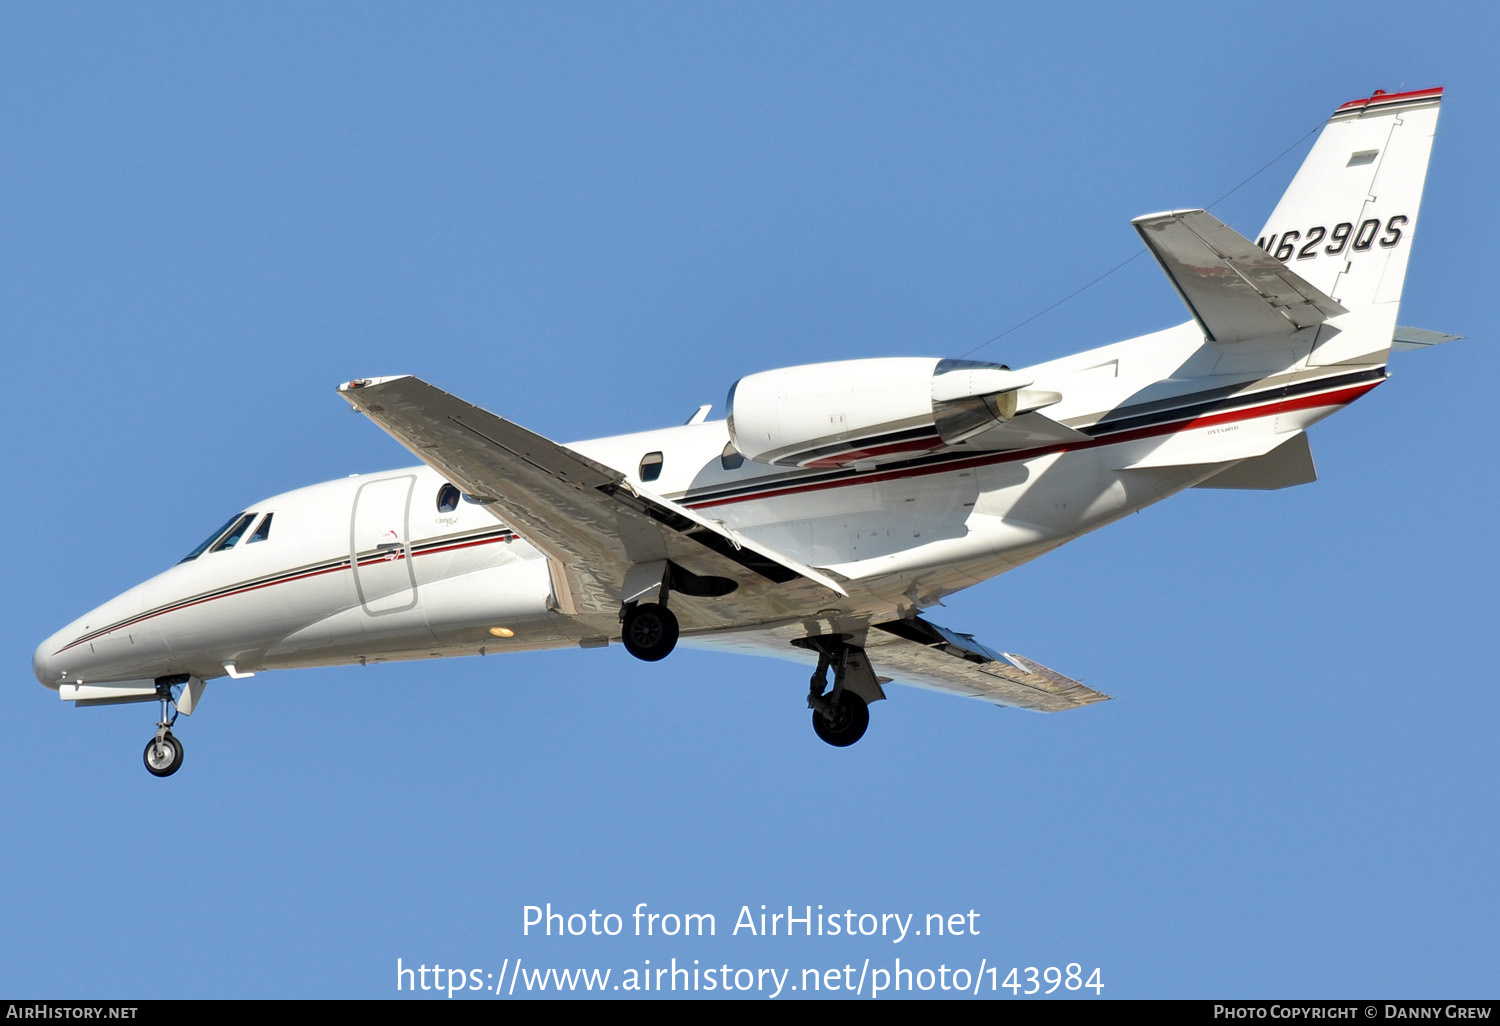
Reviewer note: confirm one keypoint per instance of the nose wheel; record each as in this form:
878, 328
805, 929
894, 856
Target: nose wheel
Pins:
163, 755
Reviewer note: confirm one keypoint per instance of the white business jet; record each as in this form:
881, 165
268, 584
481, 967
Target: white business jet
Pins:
836, 502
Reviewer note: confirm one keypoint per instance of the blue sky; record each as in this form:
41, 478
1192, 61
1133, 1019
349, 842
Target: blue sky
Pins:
593, 218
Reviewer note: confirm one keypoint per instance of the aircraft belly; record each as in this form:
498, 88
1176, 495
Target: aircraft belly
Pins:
861, 521
453, 612
552, 631
241, 628
348, 635
906, 524
984, 536
498, 596
1058, 497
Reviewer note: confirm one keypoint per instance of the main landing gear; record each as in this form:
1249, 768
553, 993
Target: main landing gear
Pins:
163, 755
843, 723
649, 631
841, 716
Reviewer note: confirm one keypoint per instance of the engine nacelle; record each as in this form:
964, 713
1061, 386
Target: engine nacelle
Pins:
866, 412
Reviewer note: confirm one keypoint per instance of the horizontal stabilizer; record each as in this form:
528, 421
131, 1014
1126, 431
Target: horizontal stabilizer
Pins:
1419, 338
1234, 290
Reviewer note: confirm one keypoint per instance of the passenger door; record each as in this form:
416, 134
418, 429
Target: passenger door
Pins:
379, 548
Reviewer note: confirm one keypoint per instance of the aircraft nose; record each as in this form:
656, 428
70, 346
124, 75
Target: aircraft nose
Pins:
46, 666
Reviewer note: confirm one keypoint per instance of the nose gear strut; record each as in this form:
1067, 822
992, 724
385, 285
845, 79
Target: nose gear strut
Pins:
163, 755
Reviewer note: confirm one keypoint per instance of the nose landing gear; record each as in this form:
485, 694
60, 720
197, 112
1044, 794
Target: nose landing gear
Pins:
163, 755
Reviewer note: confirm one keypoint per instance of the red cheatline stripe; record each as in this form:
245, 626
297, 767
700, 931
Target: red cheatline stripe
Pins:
198, 602
855, 455
266, 584
1339, 398
508, 536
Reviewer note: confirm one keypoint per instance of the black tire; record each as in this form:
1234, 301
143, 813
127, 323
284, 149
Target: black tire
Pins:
163, 758
650, 632
850, 721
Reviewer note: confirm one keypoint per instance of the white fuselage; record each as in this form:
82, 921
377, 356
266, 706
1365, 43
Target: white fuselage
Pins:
370, 568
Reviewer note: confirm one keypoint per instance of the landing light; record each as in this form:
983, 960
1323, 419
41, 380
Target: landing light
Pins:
502, 632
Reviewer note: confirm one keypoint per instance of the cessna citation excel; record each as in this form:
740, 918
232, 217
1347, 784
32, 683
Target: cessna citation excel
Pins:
835, 503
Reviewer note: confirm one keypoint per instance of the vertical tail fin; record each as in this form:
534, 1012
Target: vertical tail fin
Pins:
1346, 223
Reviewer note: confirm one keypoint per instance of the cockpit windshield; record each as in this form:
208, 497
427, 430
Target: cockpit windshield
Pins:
235, 533
223, 530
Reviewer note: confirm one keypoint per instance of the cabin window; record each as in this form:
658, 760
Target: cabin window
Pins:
447, 499
263, 531
731, 458
651, 466
235, 533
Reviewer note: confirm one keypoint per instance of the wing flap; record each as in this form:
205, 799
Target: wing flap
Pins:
1235, 290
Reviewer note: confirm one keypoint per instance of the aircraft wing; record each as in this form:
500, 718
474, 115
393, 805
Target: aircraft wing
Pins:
928, 656
1234, 289
922, 654
592, 524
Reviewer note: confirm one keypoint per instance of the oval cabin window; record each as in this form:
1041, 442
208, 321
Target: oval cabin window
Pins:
651, 466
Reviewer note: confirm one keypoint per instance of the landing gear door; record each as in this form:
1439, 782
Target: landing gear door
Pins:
380, 548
